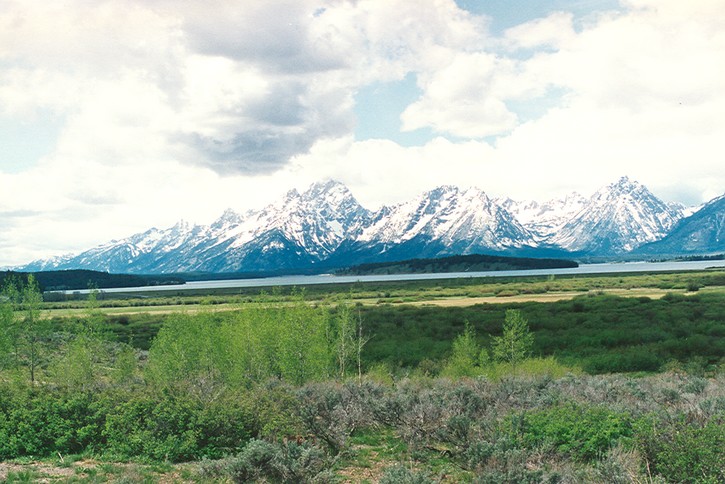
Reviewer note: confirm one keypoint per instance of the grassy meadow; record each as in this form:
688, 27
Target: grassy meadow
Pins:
616, 378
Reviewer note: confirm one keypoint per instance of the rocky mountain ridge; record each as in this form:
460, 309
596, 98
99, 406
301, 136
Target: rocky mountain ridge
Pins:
325, 227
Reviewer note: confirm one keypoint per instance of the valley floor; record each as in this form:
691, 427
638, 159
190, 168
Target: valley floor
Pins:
625, 383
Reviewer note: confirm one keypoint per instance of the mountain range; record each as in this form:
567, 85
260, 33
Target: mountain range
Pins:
325, 227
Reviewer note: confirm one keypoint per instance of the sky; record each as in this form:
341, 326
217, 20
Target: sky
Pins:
120, 115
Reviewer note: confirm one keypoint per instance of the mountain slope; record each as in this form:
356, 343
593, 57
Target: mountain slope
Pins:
443, 221
295, 232
701, 233
617, 219
545, 219
324, 227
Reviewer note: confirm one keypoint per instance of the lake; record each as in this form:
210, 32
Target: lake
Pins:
617, 267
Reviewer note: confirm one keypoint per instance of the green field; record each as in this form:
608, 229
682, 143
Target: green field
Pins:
383, 382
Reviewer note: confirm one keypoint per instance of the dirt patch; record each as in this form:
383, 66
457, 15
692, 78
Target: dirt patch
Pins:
87, 468
35, 472
372, 473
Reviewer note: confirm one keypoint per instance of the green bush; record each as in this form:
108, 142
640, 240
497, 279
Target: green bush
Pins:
45, 423
583, 433
530, 367
175, 428
683, 452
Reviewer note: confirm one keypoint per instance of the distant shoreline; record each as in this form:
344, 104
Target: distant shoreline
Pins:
305, 280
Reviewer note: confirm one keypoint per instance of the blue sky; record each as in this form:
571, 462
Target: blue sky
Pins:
120, 115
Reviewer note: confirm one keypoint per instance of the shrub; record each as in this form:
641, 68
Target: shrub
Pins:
583, 433
531, 367
694, 451
500, 460
329, 412
624, 360
175, 428
260, 460
399, 474
513, 475
41, 424
683, 452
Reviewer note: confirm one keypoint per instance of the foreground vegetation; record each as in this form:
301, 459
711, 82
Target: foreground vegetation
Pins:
281, 390
597, 332
663, 428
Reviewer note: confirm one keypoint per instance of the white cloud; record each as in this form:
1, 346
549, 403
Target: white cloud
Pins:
554, 31
466, 98
173, 109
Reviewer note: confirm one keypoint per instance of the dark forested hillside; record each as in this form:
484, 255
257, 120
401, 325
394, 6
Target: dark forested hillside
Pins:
84, 279
458, 263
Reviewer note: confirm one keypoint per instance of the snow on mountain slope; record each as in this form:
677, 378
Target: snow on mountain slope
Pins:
703, 232
317, 220
451, 216
617, 219
545, 219
326, 227
300, 228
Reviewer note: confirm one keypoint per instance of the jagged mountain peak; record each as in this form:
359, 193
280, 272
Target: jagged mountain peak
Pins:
625, 183
462, 219
616, 219
326, 187
624, 187
702, 232
444, 190
324, 224
228, 218
183, 226
547, 218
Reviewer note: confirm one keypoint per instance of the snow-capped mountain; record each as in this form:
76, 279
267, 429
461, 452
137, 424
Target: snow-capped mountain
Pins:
325, 227
297, 231
701, 233
452, 216
545, 219
617, 219
444, 221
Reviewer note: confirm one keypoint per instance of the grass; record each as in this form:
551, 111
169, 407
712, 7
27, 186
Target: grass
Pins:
372, 450
602, 324
92, 470
521, 429
447, 292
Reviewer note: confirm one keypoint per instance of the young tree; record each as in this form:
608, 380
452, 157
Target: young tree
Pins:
34, 330
344, 338
85, 356
349, 340
185, 356
8, 332
465, 355
360, 341
514, 345
305, 350
10, 301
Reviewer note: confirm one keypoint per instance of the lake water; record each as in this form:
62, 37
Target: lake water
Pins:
618, 267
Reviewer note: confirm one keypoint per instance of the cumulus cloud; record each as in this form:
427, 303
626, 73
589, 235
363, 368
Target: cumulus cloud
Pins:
170, 109
238, 87
466, 98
